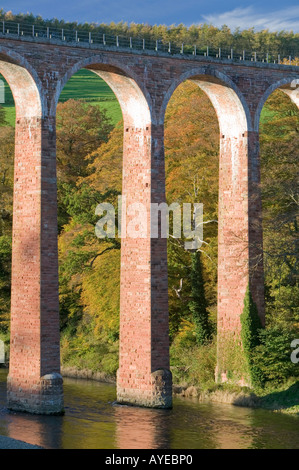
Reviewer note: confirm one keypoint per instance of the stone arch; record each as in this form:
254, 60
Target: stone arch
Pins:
227, 99
24, 83
133, 97
284, 85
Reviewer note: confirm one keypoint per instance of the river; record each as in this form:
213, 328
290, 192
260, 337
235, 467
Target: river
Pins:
93, 421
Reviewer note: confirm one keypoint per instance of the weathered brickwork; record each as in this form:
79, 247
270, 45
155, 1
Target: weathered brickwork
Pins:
143, 83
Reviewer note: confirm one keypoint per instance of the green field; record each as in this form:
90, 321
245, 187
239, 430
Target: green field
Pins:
84, 85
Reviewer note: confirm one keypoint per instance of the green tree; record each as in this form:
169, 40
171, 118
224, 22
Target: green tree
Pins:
279, 171
198, 305
272, 357
250, 327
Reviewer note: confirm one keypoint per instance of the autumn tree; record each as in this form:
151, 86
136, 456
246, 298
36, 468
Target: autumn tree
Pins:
81, 129
105, 163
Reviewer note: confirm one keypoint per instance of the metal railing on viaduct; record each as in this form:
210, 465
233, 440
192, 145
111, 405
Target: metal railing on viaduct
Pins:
82, 36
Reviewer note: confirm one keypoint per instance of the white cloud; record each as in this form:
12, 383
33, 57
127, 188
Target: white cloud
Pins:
286, 19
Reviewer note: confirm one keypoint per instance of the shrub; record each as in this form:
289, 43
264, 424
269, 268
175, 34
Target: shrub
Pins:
272, 356
193, 365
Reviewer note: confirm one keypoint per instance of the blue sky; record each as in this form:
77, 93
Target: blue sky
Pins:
272, 14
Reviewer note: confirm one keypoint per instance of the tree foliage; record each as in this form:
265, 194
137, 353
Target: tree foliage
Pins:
279, 173
272, 357
250, 327
81, 129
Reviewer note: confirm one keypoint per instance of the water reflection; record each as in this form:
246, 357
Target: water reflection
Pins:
89, 417
140, 428
93, 421
44, 432
274, 430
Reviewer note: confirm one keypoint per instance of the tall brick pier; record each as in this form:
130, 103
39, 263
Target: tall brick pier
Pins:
143, 81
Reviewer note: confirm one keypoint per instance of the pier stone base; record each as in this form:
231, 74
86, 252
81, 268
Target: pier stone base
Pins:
155, 392
43, 396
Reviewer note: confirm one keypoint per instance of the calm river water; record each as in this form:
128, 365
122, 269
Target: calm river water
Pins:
91, 421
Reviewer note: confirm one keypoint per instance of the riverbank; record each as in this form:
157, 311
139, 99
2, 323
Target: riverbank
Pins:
221, 394
284, 399
87, 374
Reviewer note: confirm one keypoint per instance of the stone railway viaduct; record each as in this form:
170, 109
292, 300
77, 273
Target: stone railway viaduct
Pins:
143, 82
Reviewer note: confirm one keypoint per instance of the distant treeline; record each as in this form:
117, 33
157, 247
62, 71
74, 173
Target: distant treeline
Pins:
285, 43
